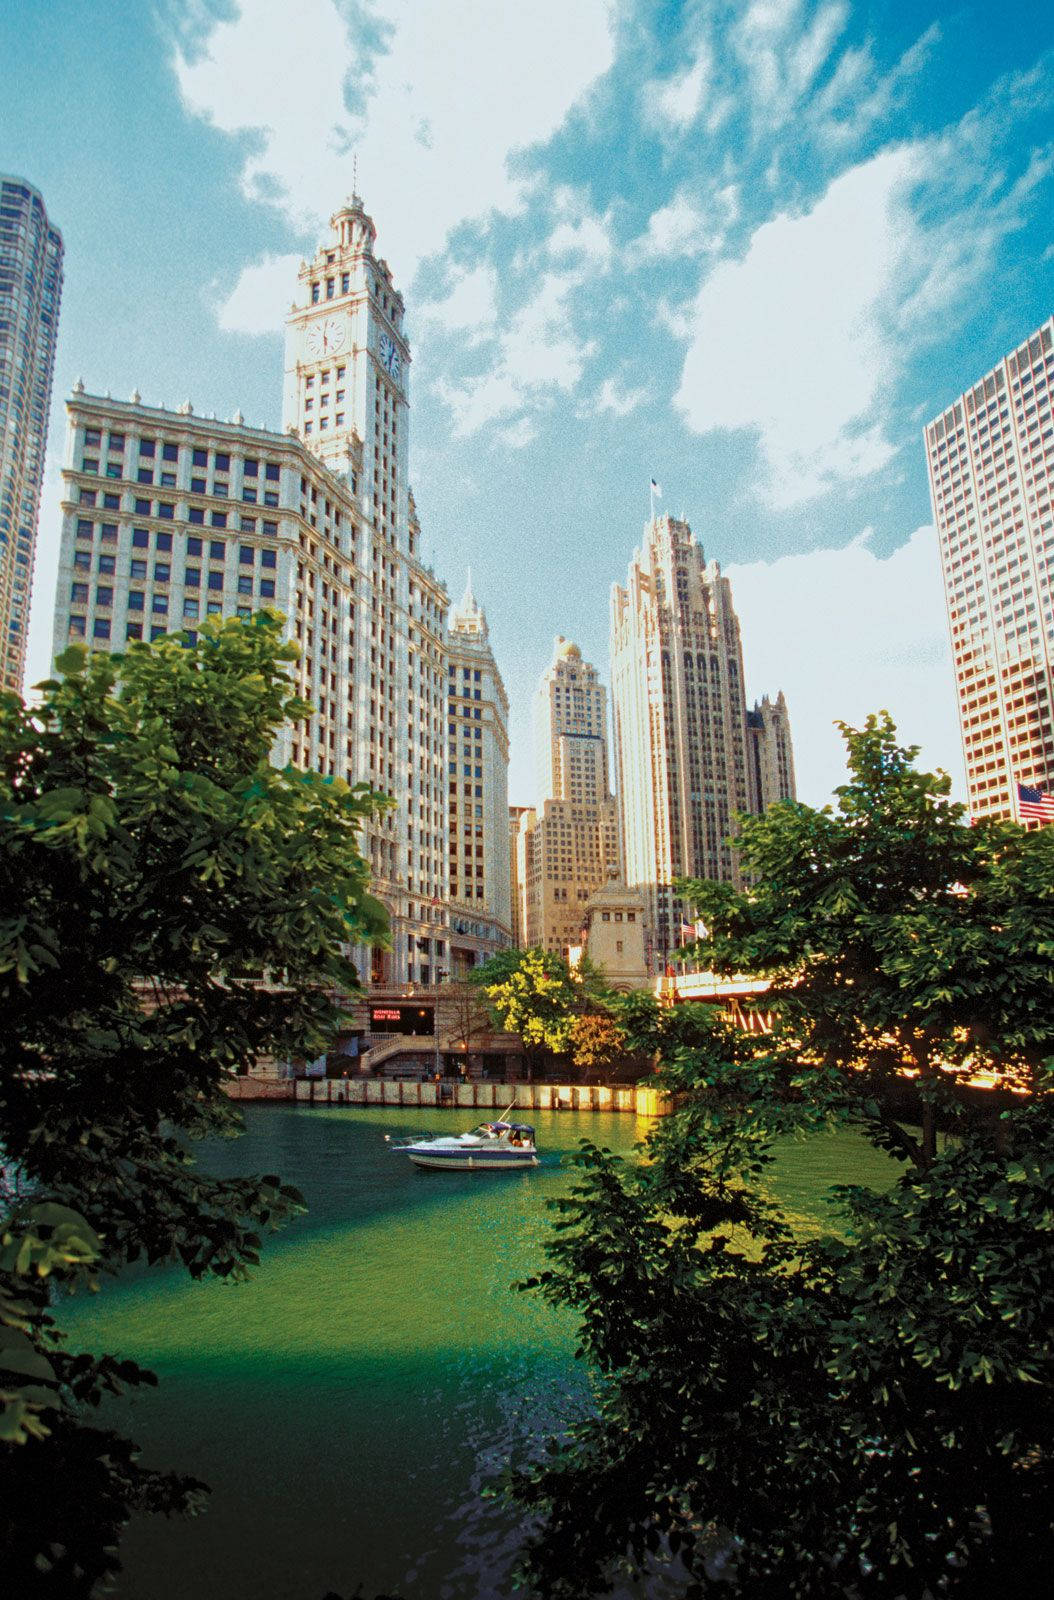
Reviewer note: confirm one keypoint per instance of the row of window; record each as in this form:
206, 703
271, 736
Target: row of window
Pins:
115, 469
162, 574
108, 533
149, 448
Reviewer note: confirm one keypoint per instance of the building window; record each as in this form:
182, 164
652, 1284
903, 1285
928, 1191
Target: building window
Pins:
159, 604
267, 588
196, 515
134, 630
77, 627
136, 600
190, 608
101, 630
107, 563
142, 508
218, 519
217, 549
269, 558
104, 595
251, 468
140, 538
85, 529
193, 546
111, 502
144, 475
162, 541
170, 452
92, 436
82, 558
79, 594
271, 471
158, 633
245, 584
148, 447
314, 294
222, 462
199, 458
270, 497
166, 510
197, 485
162, 572
215, 580
246, 555
192, 578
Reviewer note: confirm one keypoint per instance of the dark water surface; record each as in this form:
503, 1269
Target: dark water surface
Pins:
346, 1404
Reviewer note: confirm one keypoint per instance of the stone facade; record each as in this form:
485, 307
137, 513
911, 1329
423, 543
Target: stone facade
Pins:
477, 713
569, 843
771, 755
990, 456
169, 517
30, 292
686, 762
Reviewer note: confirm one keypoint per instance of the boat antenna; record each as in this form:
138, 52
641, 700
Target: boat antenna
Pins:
508, 1108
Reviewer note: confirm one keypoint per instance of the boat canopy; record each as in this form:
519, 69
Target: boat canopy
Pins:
509, 1127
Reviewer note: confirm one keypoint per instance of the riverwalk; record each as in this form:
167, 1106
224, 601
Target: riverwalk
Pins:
641, 1100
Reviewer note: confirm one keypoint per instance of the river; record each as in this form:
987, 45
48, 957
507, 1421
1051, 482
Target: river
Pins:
346, 1403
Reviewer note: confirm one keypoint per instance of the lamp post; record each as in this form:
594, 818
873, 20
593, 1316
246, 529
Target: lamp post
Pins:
440, 975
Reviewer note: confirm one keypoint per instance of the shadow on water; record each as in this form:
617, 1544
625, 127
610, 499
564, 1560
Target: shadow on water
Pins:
347, 1403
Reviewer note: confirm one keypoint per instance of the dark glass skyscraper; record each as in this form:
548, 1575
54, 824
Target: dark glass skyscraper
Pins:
30, 290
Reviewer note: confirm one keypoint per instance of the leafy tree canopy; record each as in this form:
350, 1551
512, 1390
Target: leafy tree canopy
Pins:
149, 854
536, 994
862, 1411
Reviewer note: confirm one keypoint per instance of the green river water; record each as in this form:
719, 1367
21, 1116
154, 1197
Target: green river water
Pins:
346, 1404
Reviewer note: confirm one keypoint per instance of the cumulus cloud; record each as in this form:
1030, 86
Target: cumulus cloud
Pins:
260, 298
673, 104
802, 339
469, 306
686, 227
434, 100
620, 402
790, 341
845, 632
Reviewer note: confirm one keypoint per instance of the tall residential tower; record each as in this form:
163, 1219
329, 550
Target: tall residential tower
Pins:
990, 456
687, 759
30, 291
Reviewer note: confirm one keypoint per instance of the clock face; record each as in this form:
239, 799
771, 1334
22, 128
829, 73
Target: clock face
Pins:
325, 338
389, 355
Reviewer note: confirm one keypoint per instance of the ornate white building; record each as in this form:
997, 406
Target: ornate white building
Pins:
477, 717
687, 760
169, 517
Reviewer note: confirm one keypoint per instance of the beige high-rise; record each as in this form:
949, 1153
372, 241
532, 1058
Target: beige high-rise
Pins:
990, 456
567, 847
686, 760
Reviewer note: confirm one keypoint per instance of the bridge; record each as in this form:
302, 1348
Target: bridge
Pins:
742, 998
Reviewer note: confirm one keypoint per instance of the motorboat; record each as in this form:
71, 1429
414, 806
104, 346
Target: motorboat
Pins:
492, 1147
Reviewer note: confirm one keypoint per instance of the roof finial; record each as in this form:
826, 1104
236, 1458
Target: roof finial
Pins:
355, 173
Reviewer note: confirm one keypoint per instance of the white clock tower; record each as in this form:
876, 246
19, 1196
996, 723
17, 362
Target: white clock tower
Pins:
347, 368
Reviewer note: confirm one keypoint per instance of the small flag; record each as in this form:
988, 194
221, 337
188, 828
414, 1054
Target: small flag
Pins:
1034, 805
687, 931
656, 489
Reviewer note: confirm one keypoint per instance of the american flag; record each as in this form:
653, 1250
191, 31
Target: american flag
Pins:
1034, 805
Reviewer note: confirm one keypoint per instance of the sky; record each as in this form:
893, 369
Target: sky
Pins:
747, 250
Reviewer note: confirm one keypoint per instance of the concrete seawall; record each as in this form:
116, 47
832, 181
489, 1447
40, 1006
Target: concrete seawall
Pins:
636, 1099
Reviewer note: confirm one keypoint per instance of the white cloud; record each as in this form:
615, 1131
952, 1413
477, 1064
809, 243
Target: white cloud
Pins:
792, 340
620, 402
844, 633
675, 103
434, 111
470, 305
683, 227
782, 54
260, 299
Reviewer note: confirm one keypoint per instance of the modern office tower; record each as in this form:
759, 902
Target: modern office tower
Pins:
569, 845
169, 517
771, 755
684, 760
30, 291
477, 713
990, 456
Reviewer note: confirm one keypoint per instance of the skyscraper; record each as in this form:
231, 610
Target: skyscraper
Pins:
30, 291
990, 456
686, 760
477, 714
568, 845
169, 517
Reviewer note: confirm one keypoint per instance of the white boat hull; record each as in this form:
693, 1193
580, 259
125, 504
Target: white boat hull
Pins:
477, 1161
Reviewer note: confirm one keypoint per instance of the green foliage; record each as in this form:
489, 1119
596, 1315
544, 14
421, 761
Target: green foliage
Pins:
536, 994
894, 933
865, 1414
148, 853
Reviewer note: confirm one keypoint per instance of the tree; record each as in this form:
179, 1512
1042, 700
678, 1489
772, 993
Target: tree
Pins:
863, 1414
895, 934
148, 852
536, 994
469, 1019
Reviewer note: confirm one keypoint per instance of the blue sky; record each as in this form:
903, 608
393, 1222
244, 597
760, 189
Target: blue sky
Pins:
748, 249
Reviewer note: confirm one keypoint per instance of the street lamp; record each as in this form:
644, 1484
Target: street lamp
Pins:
440, 975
